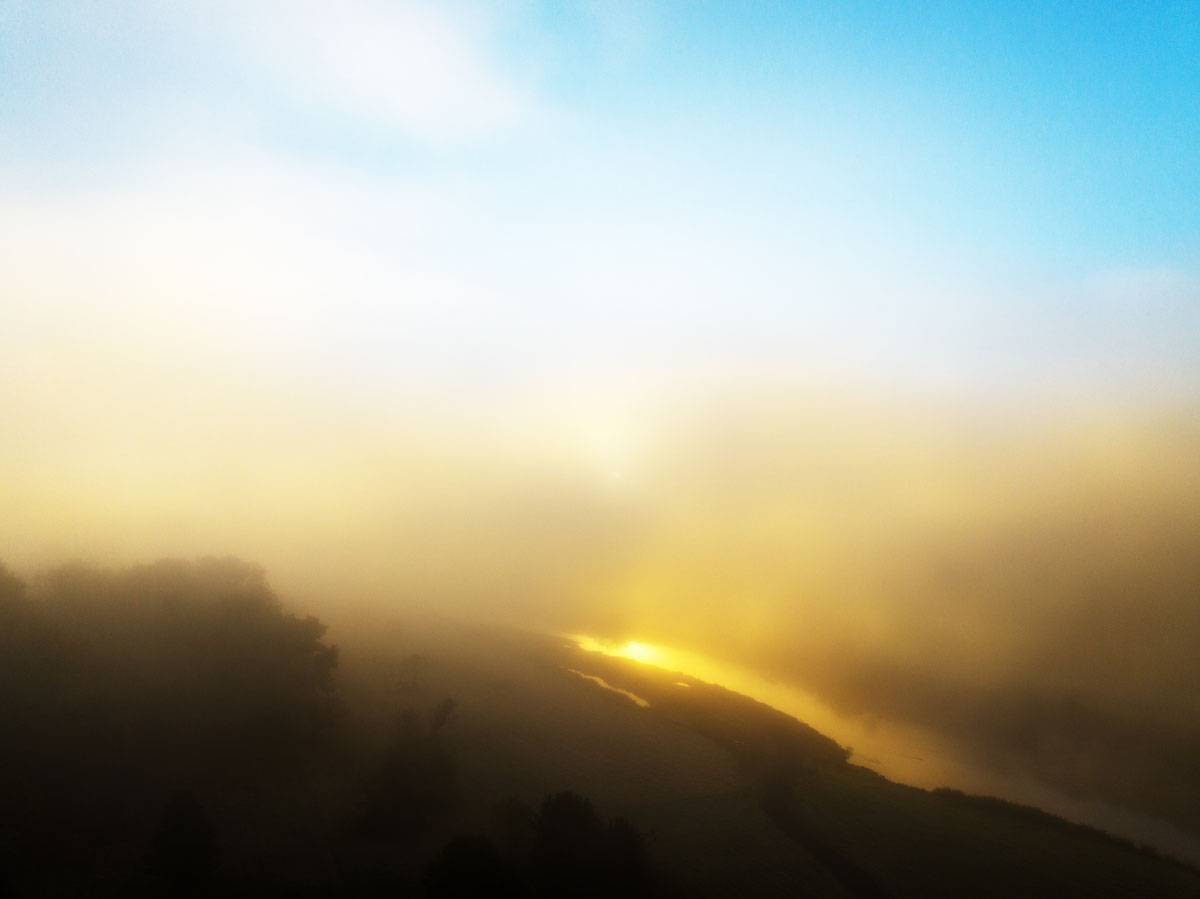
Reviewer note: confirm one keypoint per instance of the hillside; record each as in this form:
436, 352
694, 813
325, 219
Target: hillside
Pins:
173, 730
738, 798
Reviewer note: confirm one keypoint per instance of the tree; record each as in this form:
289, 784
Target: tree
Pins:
418, 777
469, 867
182, 855
578, 854
12, 588
196, 659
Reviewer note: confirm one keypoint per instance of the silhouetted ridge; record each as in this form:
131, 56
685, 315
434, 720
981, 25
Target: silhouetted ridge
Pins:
173, 730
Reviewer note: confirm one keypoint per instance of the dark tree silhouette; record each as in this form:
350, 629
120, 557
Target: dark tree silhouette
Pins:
182, 855
469, 867
577, 854
568, 831
514, 826
195, 658
116, 682
441, 714
418, 777
627, 868
12, 588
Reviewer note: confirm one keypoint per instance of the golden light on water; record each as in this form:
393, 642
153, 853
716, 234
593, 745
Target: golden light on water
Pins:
631, 649
639, 652
602, 683
897, 751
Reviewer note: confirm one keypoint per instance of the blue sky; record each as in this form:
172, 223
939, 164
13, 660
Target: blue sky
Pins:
948, 193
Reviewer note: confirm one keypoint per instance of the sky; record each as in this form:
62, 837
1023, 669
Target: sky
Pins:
854, 343
991, 197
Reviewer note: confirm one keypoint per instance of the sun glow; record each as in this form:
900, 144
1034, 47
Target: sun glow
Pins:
631, 649
897, 751
639, 652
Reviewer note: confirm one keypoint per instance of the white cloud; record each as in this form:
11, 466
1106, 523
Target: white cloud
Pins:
427, 69
249, 266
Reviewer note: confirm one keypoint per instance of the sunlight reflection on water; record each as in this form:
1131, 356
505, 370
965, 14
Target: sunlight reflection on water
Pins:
899, 752
905, 756
601, 682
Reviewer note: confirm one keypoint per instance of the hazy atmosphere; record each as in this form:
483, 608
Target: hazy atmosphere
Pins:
851, 351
